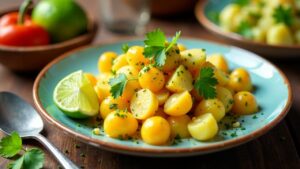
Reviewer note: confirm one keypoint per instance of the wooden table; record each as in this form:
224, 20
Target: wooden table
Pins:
279, 148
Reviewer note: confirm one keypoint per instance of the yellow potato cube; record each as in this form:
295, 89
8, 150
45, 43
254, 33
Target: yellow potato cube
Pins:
151, 78
203, 127
193, 59
120, 123
213, 106
178, 104
143, 104
244, 103
105, 61
179, 126
219, 61
180, 81
162, 96
119, 62
155, 131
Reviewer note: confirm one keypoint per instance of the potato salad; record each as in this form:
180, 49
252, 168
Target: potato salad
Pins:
162, 90
275, 22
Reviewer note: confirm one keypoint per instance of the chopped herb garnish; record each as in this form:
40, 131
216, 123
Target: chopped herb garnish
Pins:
113, 106
214, 16
206, 82
11, 148
125, 48
245, 30
118, 85
241, 2
283, 14
155, 46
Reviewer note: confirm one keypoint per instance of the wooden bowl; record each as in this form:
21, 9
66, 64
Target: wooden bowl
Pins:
171, 7
29, 59
202, 10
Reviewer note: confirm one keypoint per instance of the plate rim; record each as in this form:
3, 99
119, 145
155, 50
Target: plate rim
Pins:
166, 152
212, 27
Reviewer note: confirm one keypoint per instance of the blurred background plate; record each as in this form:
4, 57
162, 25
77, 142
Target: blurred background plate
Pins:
274, 105
206, 7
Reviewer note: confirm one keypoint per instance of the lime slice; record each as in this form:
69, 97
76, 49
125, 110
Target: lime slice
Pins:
76, 97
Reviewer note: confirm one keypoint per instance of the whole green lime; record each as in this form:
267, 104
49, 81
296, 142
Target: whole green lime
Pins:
63, 19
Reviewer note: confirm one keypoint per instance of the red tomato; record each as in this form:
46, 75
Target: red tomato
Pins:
26, 34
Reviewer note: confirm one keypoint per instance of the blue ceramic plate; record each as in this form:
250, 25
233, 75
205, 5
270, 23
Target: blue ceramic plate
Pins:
206, 12
272, 91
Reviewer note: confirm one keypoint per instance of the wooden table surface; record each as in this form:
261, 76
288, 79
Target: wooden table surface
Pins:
279, 148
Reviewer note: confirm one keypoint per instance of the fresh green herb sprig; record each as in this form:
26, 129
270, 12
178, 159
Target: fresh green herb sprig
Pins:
156, 48
125, 48
283, 14
118, 85
11, 147
206, 82
241, 2
245, 30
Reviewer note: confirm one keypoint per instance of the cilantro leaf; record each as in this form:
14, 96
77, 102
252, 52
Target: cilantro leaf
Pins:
214, 16
10, 145
125, 48
155, 38
174, 40
283, 14
33, 159
118, 85
155, 46
245, 30
18, 164
206, 82
241, 2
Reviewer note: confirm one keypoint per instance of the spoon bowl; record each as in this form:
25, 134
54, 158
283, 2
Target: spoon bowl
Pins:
17, 115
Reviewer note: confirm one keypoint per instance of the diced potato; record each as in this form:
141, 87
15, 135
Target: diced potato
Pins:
213, 106
178, 104
91, 78
219, 61
203, 127
151, 78
228, 15
179, 126
143, 104
193, 58
105, 61
173, 59
259, 35
225, 96
102, 87
279, 35
119, 62
181, 47
109, 104
297, 36
136, 58
132, 84
162, 96
240, 80
155, 131
180, 81
244, 103
120, 124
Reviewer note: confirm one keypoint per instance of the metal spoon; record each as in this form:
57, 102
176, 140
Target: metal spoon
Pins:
17, 115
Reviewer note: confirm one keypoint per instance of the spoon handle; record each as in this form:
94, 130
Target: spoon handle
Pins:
61, 158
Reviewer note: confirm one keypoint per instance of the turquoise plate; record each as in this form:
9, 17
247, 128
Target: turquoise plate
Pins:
272, 90
206, 12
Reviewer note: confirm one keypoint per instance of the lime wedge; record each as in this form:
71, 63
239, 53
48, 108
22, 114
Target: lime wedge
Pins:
76, 97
